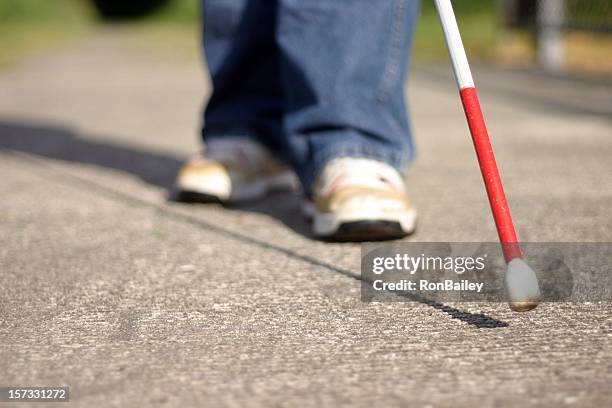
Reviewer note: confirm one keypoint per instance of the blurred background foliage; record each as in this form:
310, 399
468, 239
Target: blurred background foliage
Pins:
30, 25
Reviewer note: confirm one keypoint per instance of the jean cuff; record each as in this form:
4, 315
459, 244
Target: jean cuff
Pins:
396, 158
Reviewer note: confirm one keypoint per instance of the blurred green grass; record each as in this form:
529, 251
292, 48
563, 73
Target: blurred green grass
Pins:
29, 25
178, 11
479, 22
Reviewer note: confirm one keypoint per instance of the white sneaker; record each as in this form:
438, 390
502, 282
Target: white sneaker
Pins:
360, 200
233, 170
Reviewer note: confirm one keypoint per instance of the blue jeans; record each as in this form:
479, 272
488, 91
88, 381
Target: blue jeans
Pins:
311, 79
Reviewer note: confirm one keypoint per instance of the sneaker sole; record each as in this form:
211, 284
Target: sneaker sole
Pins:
256, 190
360, 231
192, 197
363, 226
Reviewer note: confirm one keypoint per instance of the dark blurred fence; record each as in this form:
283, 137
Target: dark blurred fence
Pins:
586, 15
549, 19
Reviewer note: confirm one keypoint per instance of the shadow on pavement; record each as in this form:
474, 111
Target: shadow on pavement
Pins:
65, 144
159, 170
154, 168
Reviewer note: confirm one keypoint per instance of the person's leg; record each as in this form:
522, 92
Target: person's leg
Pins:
343, 67
242, 59
243, 118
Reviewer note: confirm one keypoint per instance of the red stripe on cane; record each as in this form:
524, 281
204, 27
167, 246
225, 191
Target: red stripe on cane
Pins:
490, 174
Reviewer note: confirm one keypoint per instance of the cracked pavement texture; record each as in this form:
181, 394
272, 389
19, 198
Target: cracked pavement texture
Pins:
132, 300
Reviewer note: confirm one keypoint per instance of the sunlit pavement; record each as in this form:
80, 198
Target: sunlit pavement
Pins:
131, 300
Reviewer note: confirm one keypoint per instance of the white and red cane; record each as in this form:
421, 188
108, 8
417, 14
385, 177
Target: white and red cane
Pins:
521, 281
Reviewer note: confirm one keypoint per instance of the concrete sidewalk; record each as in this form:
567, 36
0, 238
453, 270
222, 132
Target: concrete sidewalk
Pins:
134, 301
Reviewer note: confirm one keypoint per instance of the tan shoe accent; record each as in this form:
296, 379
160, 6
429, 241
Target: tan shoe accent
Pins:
361, 200
353, 198
205, 177
233, 170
